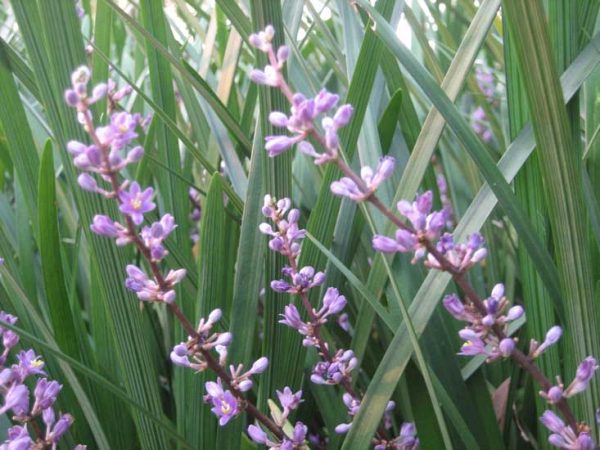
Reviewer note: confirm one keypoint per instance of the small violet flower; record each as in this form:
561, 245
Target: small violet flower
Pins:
225, 405
583, 376
135, 202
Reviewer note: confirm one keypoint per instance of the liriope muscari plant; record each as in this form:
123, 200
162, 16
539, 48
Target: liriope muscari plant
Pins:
423, 235
111, 150
39, 425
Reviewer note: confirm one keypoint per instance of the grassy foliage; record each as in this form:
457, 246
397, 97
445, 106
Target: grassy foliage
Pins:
531, 186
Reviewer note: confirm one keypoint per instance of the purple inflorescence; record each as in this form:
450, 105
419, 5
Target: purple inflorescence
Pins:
289, 402
285, 235
304, 112
111, 150
371, 179
334, 369
14, 381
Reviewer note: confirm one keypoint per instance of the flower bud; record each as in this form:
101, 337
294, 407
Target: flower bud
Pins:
343, 115
245, 385
257, 435
278, 119
87, 182
260, 365
214, 316
506, 347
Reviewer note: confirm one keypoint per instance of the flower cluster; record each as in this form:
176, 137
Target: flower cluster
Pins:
406, 440
480, 335
287, 241
289, 402
107, 156
16, 394
357, 191
303, 111
335, 367
487, 319
427, 226
563, 436
194, 353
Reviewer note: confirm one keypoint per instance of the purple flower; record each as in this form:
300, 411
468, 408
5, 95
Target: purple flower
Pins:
276, 145
333, 303
29, 364
480, 126
325, 101
455, 307
408, 437
473, 344
583, 376
303, 280
564, 436
257, 435
138, 282
136, 202
259, 366
552, 337
225, 405
60, 428
179, 355
268, 77
291, 318
122, 129
18, 439
154, 235
262, 39
333, 372
404, 241
554, 394
343, 428
16, 399
551, 421
105, 226
299, 433
344, 322
506, 347
461, 256
88, 183
45, 394
289, 400
346, 187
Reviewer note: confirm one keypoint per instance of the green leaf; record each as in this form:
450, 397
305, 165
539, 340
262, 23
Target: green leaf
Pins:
52, 267
389, 120
561, 170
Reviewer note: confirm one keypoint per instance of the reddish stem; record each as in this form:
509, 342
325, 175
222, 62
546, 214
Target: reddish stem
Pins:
525, 361
211, 362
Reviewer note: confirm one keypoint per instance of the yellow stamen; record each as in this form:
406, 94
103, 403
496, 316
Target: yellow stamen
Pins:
225, 407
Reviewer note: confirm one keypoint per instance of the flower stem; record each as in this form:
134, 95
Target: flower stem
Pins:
211, 362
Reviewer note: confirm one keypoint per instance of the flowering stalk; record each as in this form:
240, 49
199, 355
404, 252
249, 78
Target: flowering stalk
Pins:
16, 397
335, 367
104, 157
486, 333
